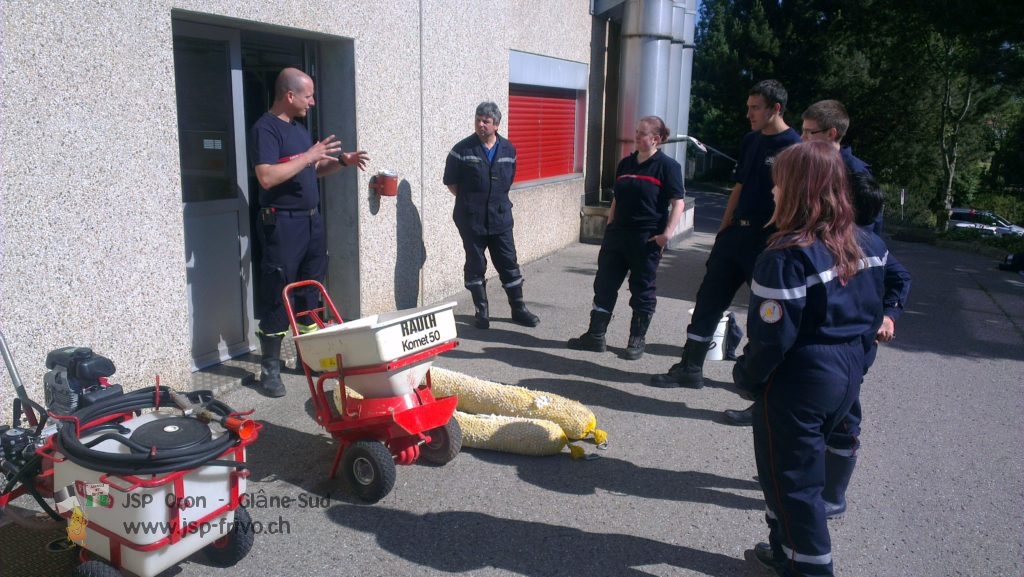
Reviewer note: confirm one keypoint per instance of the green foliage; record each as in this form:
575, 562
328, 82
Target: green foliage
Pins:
914, 213
932, 91
1010, 244
1006, 172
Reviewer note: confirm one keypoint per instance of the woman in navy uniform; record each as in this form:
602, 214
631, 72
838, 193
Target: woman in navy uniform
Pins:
815, 307
646, 208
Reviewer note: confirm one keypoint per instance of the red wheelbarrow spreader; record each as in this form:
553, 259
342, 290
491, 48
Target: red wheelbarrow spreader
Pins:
380, 367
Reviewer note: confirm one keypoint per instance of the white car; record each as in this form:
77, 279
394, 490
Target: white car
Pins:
984, 221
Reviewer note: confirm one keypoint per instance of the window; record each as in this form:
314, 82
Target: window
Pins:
546, 115
542, 125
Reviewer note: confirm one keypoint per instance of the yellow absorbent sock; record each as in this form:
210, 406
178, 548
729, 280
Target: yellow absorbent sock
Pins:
536, 437
482, 397
337, 396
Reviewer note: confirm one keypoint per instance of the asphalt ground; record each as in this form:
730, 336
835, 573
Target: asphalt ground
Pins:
939, 490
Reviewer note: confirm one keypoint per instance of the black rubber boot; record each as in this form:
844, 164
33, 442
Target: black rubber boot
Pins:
838, 471
688, 372
593, 339
479, 293
744, 418
766, 557
270, 365
520, 314
637, 336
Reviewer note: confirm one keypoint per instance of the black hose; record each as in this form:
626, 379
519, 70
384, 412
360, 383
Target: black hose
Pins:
146, 462
25, 476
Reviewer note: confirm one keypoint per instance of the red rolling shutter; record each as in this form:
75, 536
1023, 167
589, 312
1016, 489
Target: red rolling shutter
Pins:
542, 126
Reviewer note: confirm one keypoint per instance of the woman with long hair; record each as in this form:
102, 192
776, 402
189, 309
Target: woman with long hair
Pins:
815, 307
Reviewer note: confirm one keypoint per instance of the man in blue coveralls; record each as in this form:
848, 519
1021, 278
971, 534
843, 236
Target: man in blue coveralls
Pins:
479, 171
742, 234
287, 164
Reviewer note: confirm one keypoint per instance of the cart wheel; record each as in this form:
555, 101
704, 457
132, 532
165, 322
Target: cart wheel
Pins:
445, 443
95, 568
235, 545
369, 470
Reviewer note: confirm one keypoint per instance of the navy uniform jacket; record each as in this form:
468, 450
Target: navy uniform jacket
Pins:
796, 300
482, 206
644, 191
853, 164
897, 291
897, 288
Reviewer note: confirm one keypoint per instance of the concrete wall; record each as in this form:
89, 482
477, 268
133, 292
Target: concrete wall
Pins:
91, 237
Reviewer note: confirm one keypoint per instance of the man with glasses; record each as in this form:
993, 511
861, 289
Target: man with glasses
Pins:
828, 120
742, 235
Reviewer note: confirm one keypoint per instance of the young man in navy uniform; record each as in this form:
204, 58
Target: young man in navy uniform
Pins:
742, 234
844, 441
291, 233
828, 120
479, 171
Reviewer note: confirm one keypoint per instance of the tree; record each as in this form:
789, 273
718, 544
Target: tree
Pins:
736, 48
928, 84
975, 63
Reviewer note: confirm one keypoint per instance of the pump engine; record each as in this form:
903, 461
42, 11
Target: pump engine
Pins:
77, 377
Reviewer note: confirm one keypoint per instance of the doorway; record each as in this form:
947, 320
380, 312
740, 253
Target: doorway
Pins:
214, 191
225, 73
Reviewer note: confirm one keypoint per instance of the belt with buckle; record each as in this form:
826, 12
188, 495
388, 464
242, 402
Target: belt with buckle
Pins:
292, 212
748, 222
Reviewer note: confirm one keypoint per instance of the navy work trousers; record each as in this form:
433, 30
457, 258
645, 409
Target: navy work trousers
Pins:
294, 248
796, 413
730, 265
632, 252
502, 247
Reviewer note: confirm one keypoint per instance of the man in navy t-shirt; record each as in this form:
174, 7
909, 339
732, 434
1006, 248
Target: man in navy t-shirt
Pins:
291, 233
742, 234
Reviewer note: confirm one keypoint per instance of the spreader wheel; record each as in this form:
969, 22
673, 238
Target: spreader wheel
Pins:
94, 568
235, 545
445, 443
369, 470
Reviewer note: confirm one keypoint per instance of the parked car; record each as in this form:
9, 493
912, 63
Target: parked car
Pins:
984, 221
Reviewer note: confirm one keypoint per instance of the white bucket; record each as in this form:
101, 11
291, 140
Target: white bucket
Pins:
716, 349
378, 338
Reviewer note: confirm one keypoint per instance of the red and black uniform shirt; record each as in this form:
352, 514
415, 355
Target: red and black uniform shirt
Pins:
644, 191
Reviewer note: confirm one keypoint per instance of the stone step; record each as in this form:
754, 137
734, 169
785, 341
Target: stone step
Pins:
240, 371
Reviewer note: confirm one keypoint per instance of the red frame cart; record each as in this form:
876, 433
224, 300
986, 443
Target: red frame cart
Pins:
375, 431
222, 529
37, 466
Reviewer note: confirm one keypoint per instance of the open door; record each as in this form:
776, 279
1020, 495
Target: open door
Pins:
214, 191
